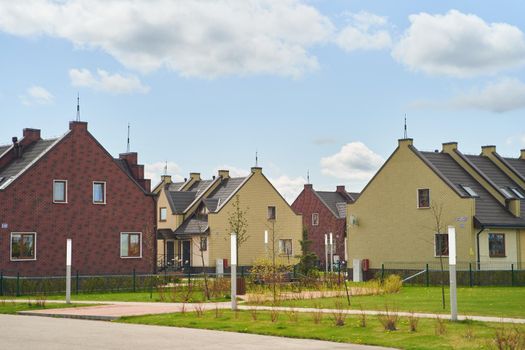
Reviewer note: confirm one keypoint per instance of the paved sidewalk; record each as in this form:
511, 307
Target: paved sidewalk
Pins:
22, 333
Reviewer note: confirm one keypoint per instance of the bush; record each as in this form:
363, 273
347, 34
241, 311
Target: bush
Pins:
263, 271
392, 284
509, 339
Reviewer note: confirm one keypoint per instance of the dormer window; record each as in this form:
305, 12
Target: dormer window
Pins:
517, 193
469, 191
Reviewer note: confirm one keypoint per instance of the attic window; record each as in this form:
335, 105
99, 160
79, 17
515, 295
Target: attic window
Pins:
505, 192
469, 191
517, 193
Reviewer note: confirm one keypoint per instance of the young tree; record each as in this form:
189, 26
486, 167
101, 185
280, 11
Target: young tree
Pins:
201, 245
436, 209
307, 259
238, 223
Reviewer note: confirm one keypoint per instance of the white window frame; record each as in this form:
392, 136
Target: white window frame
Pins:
165, 212
284, 253
65, 191
313, 222
120, 245
93, 192
417, 197
11, 245
435, 245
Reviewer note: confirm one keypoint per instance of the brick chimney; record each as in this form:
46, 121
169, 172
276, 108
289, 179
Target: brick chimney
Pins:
341, 189
137, 170
78, 126
309, 187
31, 135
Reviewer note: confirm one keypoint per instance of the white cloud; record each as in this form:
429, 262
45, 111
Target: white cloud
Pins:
459, 45
288, 187
503, 95
104, 81
154, 171
206, 38
364, 33
37, 95
354, 162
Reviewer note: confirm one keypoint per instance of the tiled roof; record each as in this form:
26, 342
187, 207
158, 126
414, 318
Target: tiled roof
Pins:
489, 211
29, 155
200, 186
193, 226
334, 201
226, 188
517, 164
4, 148
180, 200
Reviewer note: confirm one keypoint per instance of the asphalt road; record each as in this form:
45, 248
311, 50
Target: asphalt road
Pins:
44, 333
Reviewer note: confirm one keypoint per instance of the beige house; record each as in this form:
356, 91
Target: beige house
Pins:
393, 222
193, 229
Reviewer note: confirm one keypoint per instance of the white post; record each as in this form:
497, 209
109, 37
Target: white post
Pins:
331, 253
326, 252
68, 270
266, 241
233, 274
452, 271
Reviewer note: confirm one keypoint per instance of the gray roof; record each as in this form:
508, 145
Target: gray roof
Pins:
29, 155
335, 202
226, 188
517, 164
200, 186
4, 148
180, 200
195, 225
354, 195
489, 211
175, 186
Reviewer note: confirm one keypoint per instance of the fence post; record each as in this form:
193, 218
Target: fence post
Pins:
18, 284
1, 283
427, 275
512, 274
382, 272
77, 282
470, 281
134, 281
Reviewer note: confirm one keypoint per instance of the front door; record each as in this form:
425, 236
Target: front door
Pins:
186, 253
170, 253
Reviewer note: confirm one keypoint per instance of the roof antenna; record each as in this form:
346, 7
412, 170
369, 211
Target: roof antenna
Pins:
308, 176
256, 158
166, 168
78, 107
127, 148
405, 126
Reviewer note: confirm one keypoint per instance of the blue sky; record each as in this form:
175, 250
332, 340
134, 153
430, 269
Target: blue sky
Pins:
320, 85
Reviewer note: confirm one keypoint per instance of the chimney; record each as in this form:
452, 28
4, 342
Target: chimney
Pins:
514, 206
131, 158
488, 150
137, 170
308, 186
78, 126
405, 142
225, 174
195, 176
449, 147
256, 170
17, 148
31, 135
341, 189
522, 154
166, 179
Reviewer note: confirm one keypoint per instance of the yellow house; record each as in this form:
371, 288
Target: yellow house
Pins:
193, 228
402, 215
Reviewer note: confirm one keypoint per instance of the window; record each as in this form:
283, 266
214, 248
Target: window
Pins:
204, 244
517, 193
315, 219
285, 247
23, 246
99, 192
469, 191
496, 245
163, 212
131, 245
423, 198
441, 244
271, 213
59, 191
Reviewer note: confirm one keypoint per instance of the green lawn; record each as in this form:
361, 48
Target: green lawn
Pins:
483, 301
8, 307
134, 296
455, 337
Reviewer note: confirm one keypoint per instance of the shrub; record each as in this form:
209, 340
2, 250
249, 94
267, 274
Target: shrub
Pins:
274, 315
362, 318
413, 322
199, 310
253, 312
293, 315
440, 326
392, 284
389, 320
339, 315
509, 339
218, 311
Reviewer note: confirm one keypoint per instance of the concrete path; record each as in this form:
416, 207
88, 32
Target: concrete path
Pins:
22, 333
113, 311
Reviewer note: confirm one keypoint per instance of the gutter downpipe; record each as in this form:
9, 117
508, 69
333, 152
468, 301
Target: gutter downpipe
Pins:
477, 248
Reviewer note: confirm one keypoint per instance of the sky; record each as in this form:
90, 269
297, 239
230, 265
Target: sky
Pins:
318, 86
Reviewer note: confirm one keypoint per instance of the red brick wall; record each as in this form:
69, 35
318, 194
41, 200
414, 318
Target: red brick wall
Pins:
27, 206
308, 203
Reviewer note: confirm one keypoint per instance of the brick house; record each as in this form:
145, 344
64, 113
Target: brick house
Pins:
324, 212
71, 187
